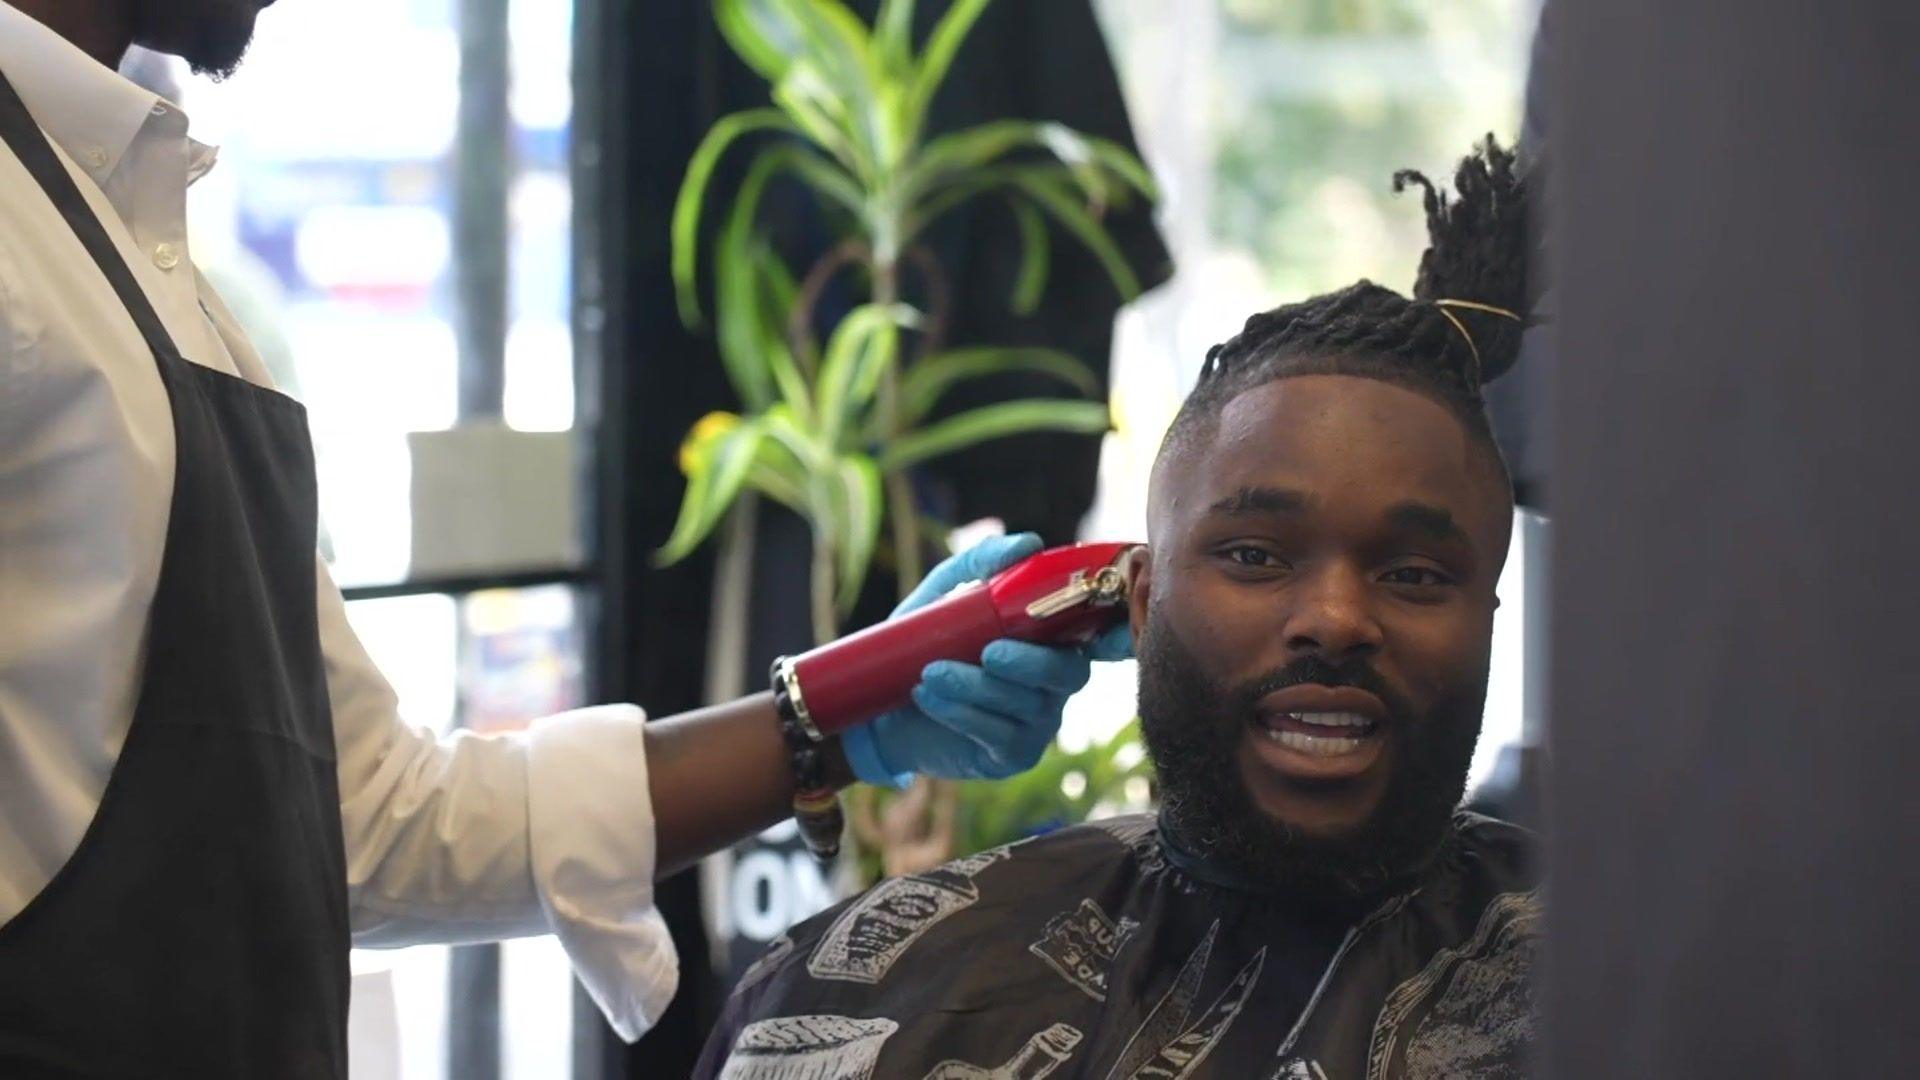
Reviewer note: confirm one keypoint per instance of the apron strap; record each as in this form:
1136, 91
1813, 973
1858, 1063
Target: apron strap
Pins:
23, 135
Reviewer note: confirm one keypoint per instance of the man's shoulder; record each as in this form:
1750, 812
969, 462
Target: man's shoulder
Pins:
1103, 843
1073, 848
909, 905
1499, 841
1128, 835
1134, 831
1124, 844
1488, 858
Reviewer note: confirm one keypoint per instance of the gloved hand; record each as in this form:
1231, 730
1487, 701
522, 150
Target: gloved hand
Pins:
986, 721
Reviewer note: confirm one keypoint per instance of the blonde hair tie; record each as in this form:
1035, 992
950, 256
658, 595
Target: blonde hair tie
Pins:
1473, 305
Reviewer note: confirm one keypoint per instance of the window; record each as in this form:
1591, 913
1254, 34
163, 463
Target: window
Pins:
492, 659
392, 224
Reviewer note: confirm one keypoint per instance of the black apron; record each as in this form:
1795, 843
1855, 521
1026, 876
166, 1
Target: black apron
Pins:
200, 930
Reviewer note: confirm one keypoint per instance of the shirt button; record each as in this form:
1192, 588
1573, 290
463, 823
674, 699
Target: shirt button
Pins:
96, 157
166, 257
159, 110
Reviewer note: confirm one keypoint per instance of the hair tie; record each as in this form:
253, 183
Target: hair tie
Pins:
1473, 305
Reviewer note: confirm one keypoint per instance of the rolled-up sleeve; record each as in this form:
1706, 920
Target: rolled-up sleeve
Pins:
476, 838
590, 828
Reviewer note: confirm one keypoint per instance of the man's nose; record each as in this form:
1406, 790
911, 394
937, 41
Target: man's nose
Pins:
1332, 616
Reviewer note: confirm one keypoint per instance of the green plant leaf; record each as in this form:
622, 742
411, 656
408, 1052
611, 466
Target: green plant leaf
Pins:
692, 198
779, 488
892, 126
964, 186
801, 443
739, 252
893, 33
860, 506
1036, 258
950, 197
1125, 164
745, 351
1047, 194
826, 177
923, 385
719, 467
783, 289
963, 151
1074, 151
794, 390
1053, 190
838, 80
942, 46
805, 95
840, 42
829, 179
1001, 812
778, 470
993, 422
776, 294
863, 347
754, 290
761, 32
1097, 163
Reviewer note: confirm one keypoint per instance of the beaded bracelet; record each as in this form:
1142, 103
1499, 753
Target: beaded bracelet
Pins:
816, 806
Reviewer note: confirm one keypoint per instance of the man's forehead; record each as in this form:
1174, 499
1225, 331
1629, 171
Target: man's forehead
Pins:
1365, 444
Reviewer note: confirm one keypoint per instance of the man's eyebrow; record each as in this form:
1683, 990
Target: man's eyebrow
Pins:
1426, 518
1260, 500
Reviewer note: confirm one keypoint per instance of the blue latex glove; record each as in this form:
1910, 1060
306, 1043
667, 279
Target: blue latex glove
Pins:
986, 721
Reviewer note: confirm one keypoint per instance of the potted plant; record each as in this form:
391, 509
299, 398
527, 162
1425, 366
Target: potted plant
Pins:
933, 822
834, 430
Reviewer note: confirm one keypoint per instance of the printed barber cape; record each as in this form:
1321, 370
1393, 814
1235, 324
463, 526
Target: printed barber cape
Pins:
1096, 953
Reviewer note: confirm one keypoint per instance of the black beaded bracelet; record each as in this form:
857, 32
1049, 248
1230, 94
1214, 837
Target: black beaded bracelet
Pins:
816, 806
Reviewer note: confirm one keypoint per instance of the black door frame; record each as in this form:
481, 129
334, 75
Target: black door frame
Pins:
644, 94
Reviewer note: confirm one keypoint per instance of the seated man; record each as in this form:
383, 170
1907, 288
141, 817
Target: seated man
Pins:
1327, 518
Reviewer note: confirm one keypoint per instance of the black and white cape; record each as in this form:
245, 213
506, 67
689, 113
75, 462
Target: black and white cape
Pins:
1090, 953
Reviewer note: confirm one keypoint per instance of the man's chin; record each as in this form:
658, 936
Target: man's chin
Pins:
1314, 825
1289, 819
1328, 839
1305, 797
220, 58
211, 46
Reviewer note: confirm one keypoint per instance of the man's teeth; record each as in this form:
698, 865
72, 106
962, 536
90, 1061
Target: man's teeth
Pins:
1316, 745
1352, 731
1334, 719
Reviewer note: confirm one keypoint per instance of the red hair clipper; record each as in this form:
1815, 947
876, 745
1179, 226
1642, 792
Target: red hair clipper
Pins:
1067, 595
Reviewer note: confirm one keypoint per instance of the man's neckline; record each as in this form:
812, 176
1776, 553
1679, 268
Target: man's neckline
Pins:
90, 111
1229, 878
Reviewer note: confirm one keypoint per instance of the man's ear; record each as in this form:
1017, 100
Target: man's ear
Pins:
1139, 571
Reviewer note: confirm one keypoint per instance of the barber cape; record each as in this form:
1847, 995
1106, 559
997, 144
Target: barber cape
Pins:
1102, 952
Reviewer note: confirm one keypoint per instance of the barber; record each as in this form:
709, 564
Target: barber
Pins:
206, 791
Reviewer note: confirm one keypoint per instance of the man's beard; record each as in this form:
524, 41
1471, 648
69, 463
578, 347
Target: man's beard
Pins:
1194, 728
210, 35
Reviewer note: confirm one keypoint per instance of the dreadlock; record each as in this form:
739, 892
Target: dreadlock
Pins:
1475, 259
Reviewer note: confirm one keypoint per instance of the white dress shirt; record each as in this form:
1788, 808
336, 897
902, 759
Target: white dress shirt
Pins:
457, 839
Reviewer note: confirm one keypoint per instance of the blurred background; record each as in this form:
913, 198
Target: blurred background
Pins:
447, 224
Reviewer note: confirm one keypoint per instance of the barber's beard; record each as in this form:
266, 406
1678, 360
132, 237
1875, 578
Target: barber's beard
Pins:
1194, 727
212, 36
